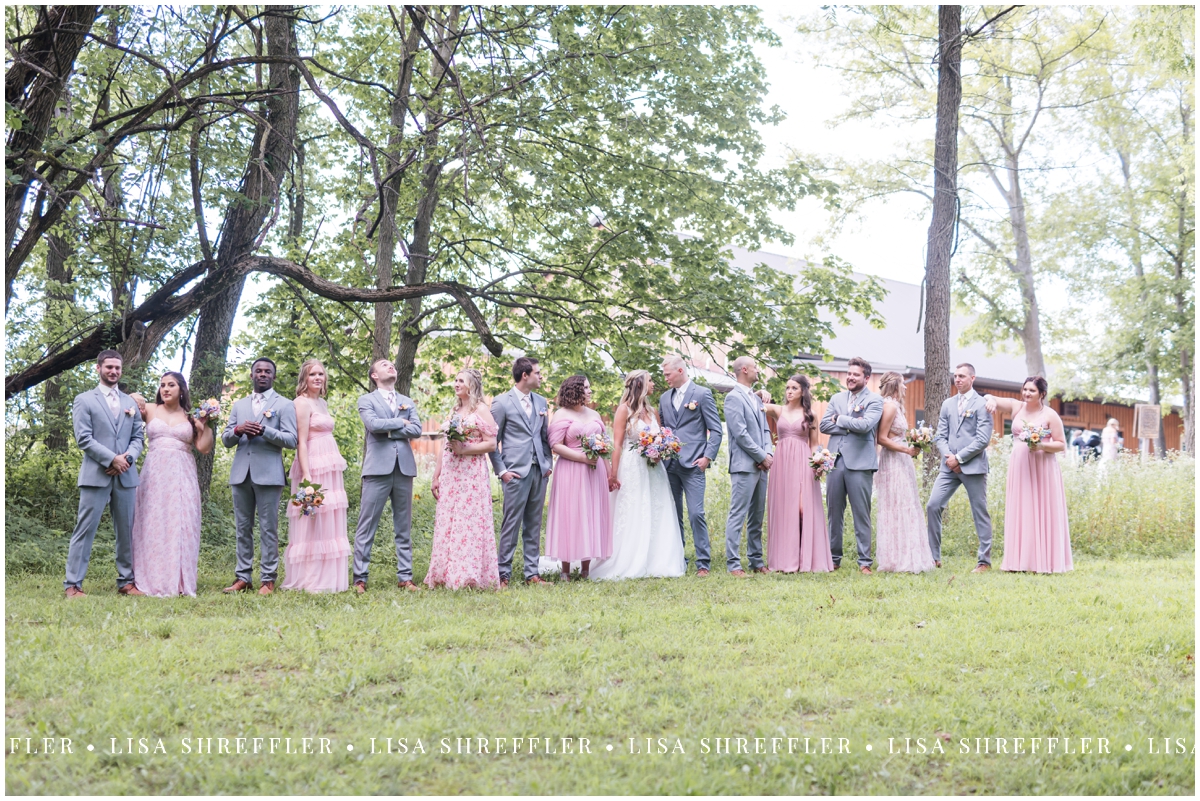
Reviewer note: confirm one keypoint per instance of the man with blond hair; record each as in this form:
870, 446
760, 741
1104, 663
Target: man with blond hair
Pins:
750, 457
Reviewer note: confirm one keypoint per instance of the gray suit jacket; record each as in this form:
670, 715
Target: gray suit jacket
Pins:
518, 437
388, 434
854, 438
698, 429
101, 438
967, 435
261, 457
749, 434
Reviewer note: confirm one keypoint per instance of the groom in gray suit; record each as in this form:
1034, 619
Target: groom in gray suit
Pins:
750, 457
260, 426
850, 421
388, 470
108, 429
964, 430
691, 414
523, 464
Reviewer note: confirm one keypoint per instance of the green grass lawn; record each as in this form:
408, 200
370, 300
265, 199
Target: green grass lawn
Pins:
1103, 652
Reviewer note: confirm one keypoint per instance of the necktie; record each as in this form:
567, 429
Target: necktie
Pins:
678, 399
256, 403
962, 404
391, 399
526, 405
113, 405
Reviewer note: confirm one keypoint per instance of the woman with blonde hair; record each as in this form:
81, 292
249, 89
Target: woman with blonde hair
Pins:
315, 557
464, 535
1109, 448
902, 542
646, 536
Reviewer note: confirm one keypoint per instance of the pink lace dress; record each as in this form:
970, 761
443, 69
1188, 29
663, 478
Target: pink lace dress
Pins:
166, 521
315, 557
464, 531
1037, 537
797, 540
902, 541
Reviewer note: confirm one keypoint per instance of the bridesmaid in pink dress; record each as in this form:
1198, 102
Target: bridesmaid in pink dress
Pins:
315, 557
464, 533
166, 523
797, 540
902, 541
579, 524
1037, 538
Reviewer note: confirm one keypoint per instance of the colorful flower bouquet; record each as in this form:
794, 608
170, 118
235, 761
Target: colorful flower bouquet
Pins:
458, 429
308, 497
1035, 435
596, 446
822, 461
654, 448
920, 438
208, 411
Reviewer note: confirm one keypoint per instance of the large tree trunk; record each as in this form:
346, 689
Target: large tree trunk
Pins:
270, 158
418, 252
33, 85
1031, 331
941, 229
60, 295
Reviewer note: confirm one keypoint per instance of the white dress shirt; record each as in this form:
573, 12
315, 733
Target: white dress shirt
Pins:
389, 397
681, 391
526, 402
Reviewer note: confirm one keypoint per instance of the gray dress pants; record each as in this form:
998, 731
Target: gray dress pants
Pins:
376, 490
943, 488
92, 502
689, 482
853, 485
250, 499
747, 507
524, 500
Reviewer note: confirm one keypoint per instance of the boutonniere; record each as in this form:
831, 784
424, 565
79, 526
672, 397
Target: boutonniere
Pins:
129, 412
268, 413
542, 413
969, 413
690, 406
858, 407
404, 407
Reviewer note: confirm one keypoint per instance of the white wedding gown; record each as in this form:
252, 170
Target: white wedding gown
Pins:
646, 538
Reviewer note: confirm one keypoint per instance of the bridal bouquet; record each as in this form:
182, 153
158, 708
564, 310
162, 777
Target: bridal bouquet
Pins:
1032, 436
308, 497
920, 438
657, 447
596, 446
822, 462
459, 430
208, 411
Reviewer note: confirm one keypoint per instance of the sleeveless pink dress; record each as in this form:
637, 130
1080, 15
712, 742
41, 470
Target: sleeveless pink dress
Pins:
315, 558
166, 522
1037, 538
464, 530
579, 523
797, 540
902, 538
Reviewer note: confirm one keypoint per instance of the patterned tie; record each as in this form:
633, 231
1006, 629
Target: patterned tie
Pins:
391, 399
526, 406
962, 404
256, 403
114, 405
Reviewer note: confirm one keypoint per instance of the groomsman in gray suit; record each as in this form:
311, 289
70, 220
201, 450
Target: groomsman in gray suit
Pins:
750, 457
260, 427
388, 471
523, 464
964, 430
691, 413
850, 421
108, 429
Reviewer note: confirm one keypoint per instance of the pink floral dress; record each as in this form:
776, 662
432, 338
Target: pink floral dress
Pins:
464, 533
166, 518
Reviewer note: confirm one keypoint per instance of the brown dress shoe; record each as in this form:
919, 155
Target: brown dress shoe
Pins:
981, 568
360, 587
701, 573
74, 592
866, 571
408, 585
739, 573
762, 570
238, 586
267, 588
504, 584
538, 580
837, 565
129, 589
937, 564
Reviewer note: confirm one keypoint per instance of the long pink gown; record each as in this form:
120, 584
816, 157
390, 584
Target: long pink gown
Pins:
166, 522
1037, 538
902, 541
464, 532
579, 523
797, 540
315, 557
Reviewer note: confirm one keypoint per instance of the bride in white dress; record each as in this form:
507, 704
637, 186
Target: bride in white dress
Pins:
646, 538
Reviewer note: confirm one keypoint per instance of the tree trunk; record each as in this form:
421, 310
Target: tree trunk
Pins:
270, 158
33, 85
1186, 240
941, 229
59, 296
1031, 330
418, 252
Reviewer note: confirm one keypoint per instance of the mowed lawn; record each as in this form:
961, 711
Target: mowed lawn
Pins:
1103, 652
